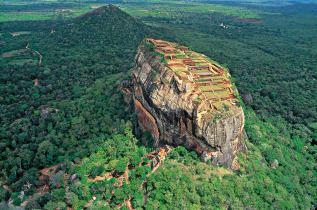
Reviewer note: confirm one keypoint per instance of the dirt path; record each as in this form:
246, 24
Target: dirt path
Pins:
100, 178
126, 175
49, 171
161, 154
129, 204
153, 170
40, 61
7, 188
89, 203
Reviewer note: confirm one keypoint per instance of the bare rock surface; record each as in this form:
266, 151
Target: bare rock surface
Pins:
248, 98
167, 106
274, 164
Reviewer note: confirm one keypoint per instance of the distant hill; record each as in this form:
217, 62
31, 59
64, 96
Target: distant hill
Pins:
109, 23
100, 11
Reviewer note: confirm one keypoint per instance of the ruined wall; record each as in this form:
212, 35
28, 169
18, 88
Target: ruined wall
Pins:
165, 107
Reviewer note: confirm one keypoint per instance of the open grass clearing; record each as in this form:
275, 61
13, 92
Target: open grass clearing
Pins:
156, 9
21, 62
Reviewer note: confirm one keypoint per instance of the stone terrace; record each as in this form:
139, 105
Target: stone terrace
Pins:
211, 81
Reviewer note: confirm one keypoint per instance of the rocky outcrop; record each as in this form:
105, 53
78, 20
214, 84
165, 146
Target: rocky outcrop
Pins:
274, 164
171, 104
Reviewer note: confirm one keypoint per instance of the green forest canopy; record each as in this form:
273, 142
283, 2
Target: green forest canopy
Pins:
84, 114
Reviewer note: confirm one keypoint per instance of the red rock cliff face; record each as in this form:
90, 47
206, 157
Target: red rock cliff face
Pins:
146, 120
177, 111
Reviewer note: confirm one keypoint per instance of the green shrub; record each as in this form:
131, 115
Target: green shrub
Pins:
97, 170
17, 201
58, 195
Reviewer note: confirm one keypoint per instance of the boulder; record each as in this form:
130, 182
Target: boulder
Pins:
248, 98
274, 164
73, 178
45, 111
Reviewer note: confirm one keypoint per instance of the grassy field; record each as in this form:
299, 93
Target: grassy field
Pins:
51, 9
21, 62
45, 14
163, 9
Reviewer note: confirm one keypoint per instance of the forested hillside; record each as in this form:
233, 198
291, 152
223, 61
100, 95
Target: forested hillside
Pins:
61, 118
68, 112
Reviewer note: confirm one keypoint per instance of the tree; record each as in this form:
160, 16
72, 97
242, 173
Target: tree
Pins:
26, 156
45, 151
55, 205
139, 171
32, 204
121, 166
4, 206
42, 200
17, 201
58, 195
96, 170
55, 179
298, 144
79, 126
4, 194
119, 196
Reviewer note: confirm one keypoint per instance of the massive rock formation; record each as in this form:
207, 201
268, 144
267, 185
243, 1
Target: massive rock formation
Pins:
184, 98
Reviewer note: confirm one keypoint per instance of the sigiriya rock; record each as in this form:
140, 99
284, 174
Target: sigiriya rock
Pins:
184, 98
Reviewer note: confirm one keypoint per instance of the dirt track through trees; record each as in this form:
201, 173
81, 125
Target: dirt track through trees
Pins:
40, 61
161, 153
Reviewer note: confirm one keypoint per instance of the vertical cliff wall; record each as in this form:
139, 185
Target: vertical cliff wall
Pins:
184, 98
